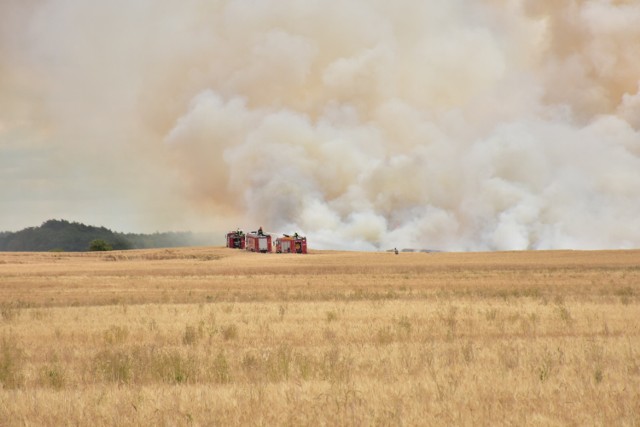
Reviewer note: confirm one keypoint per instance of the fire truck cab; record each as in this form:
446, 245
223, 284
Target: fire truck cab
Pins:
235, 239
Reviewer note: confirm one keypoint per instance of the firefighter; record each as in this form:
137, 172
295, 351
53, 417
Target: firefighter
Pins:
260, 231
395, 250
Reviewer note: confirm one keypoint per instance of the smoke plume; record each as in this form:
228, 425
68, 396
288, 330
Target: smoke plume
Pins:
365, 124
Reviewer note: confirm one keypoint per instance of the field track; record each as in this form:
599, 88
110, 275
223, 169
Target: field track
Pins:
214, 336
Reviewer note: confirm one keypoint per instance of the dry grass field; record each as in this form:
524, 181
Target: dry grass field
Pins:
213, 336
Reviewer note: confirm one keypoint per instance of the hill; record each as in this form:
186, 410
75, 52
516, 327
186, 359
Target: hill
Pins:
62, 235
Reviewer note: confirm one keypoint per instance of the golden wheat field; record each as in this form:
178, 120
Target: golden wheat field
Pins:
214, 336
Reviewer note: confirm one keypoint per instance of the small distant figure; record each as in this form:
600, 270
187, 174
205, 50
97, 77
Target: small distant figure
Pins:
395, 251
260, 233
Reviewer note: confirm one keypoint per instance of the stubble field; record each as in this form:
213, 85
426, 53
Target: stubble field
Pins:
213, 336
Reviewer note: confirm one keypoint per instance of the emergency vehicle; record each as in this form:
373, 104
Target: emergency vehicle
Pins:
291, 244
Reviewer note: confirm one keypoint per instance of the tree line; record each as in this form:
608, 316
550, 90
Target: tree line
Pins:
62, 235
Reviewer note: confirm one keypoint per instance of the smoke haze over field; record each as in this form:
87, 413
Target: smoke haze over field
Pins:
452, 124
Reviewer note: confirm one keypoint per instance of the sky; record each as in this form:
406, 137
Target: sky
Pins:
363, 124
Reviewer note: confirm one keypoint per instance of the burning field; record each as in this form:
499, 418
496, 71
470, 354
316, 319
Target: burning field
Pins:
455, 125
219, 336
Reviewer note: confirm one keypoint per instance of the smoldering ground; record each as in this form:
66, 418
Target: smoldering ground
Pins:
458, 125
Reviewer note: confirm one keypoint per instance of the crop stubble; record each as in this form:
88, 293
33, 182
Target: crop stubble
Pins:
212, 336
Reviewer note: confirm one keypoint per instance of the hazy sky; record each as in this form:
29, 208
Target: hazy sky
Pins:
451, 124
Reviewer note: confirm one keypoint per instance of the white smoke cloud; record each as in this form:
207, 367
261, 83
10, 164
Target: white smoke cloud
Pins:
454, 125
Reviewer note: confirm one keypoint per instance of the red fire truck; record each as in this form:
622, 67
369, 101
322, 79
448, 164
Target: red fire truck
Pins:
235, 239
258, 242
291, 244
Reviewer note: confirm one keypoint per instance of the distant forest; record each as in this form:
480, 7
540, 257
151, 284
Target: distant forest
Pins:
61, 235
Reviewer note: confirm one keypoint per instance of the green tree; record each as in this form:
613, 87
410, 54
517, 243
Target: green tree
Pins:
99, 245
